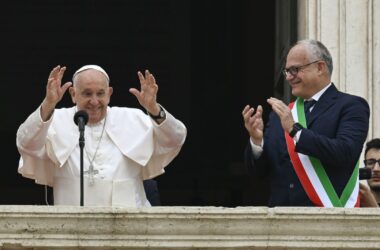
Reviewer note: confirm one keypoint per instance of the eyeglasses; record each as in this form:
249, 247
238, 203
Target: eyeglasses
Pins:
294, 70
370, 163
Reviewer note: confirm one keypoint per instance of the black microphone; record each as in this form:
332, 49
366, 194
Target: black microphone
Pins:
81, 119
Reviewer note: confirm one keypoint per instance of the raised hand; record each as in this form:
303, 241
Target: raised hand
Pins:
283, 112
367, 199
254, 123
147, 96
54, 91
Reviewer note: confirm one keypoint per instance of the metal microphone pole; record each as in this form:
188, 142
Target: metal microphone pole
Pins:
81, 146
81, 119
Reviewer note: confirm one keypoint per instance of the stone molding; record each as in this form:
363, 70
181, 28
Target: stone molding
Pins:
60, 227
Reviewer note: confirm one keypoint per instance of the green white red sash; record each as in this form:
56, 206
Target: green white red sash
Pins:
313, 176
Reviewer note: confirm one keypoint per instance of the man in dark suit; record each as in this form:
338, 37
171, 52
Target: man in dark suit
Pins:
310, 155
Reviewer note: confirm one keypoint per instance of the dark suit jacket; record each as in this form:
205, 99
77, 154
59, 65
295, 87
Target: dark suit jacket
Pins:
152, 193
337, 129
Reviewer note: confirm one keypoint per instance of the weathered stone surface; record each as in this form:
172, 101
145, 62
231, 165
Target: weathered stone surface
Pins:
44, 227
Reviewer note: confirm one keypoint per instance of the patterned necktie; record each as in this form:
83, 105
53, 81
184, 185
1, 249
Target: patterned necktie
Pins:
307, 105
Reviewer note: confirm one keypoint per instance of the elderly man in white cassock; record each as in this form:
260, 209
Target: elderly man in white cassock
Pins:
123, 146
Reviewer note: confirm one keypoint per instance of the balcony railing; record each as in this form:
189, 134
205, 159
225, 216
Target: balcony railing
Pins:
58, 227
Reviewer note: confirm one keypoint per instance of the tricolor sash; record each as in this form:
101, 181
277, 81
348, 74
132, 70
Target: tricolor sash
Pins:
312, 174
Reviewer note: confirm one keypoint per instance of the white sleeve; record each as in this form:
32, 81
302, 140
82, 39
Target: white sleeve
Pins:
256, 150
31, 135
169, 136
31, 142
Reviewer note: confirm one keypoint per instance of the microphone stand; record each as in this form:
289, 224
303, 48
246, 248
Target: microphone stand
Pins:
80, 119
81, 146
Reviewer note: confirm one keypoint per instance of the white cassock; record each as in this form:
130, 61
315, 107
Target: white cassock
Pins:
131, 148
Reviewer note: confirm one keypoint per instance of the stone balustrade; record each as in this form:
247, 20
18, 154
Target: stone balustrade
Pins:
59, 227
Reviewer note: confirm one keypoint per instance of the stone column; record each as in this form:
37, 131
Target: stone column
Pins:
350, 30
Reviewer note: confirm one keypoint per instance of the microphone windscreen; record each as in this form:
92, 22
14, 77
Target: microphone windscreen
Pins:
81, 114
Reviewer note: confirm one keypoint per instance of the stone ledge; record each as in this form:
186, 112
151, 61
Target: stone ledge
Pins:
58, 227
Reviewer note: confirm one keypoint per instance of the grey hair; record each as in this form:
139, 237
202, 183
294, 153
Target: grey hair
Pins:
318, 51
90, 66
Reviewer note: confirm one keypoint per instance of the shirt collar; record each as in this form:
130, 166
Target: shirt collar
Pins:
319, 93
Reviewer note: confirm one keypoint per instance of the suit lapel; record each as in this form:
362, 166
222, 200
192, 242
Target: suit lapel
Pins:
325, 102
